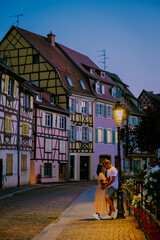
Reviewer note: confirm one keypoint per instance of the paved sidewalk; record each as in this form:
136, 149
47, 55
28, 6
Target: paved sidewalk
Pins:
77, 223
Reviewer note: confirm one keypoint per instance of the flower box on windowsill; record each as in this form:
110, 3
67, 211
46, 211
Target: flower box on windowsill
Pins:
28, 109
10, 98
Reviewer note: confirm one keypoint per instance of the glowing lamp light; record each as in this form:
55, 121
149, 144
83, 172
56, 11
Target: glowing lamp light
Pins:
118, 113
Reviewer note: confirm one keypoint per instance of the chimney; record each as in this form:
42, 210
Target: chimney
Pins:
51, 38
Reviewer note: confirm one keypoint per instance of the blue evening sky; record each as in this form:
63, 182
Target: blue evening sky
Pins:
129, 31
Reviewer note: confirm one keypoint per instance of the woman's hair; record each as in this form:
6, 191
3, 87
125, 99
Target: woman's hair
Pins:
99, 168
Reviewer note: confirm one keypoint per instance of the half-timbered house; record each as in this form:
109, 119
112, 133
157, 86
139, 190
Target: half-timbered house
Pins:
50, 148
40, 60
16, 116
106, 93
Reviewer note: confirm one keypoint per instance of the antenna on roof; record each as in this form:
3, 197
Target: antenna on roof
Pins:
103, 56
17, 16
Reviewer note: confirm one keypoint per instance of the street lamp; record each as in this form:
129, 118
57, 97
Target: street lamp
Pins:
118, 113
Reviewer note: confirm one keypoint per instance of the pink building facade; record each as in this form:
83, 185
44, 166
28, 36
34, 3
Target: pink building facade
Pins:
49, 158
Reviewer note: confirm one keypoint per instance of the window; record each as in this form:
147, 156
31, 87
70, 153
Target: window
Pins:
92, 71
72, 105
52, 100
39, 97
47, 169
109, 135
69, 81
62, 148
82, 85
62, 123
7, 124
25, 129
102, 74
9, 164
85, 134
99, 109
99, 88
84, 107
35, 58
108, 111
10, 87
116, 92
99, 135
48, 120
72, 133
23, 162
133, 120
48, 145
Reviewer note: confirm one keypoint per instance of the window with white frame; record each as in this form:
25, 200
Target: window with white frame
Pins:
99, 135
62, 122
92, 71
48, 120
62, 148
48, 145
109, 135
39, 97
52, 100
108, 111
99, 88
85, 134
84, 107
72, 105
102, 74
72, 133
99, 109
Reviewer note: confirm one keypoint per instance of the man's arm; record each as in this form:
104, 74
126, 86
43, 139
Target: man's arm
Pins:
109, 183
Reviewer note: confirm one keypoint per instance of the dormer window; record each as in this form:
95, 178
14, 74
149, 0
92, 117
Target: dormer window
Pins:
92, 71
116, 92
52, 101
99, 88
82, 85
69, 81
39, 97
102, 74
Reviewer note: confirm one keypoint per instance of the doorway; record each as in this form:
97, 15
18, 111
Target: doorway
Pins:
84, 168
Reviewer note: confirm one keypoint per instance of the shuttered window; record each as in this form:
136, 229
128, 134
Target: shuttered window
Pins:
48, 145
7, 124
25, 129
62, 148
9, 164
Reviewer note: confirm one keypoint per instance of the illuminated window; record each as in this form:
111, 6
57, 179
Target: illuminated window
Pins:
23, 162
9, 164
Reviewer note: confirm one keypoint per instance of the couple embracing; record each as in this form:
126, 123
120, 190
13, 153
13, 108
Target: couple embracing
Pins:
104, 200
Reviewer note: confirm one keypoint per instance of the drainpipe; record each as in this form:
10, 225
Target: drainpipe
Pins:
18, 136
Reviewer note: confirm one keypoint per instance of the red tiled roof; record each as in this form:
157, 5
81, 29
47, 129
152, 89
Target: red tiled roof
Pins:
81, 61
56, 58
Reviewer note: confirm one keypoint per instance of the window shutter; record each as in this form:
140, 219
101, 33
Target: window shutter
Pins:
15, 88
112, 92
25, 129
113, 136
119, 94
31, 102
102, 114
79, 133
96, 134
77, 106
130, 120
70, 102
103, 89
43, 119
54, 120
105, 111
80, 106
6, 84
67, 123
105, 135
97, 106
90, 134
136, 121
90, 108
42, 170
7, 124
53, 171
58, 121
